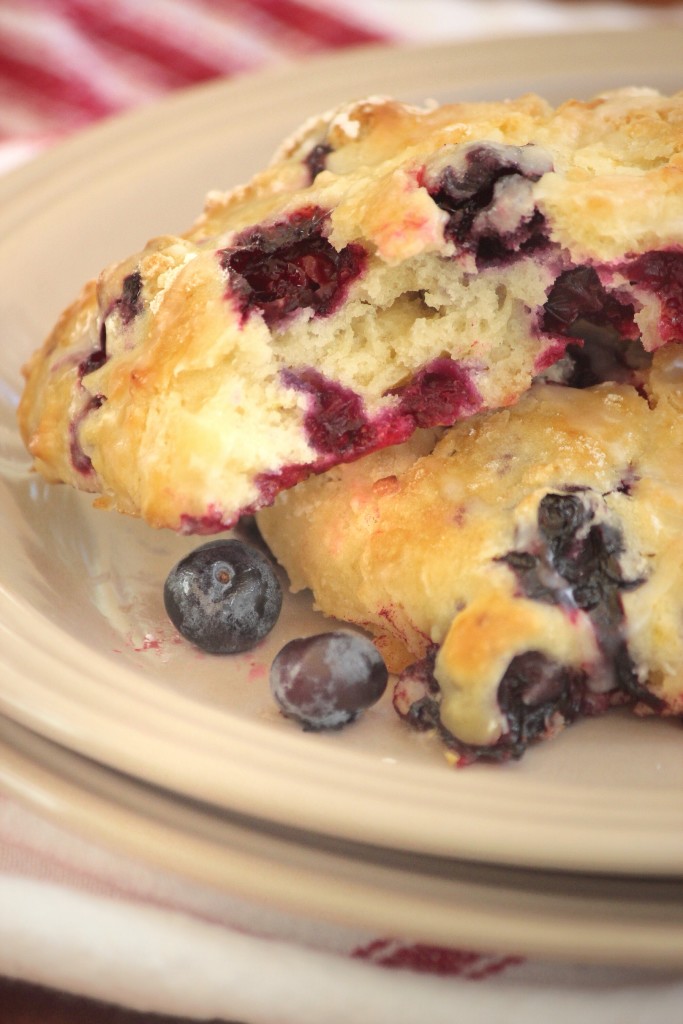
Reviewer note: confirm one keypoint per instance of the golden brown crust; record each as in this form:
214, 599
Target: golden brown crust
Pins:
165, 392
428, 544
50, 374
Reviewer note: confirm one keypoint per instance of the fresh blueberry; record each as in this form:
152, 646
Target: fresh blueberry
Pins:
325, 681
223, 597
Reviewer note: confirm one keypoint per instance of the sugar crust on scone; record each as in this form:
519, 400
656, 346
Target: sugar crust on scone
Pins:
394, 268
522, 570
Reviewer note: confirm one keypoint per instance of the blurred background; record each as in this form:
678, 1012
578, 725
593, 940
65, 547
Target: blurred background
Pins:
66, 63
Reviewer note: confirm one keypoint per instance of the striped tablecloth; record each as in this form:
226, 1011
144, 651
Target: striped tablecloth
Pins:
66, 63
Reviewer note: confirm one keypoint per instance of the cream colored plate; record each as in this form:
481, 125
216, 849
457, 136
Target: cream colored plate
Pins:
86, 655
549, 915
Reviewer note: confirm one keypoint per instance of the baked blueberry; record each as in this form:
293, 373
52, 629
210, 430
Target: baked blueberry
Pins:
336, 421
439, 394
339, 427
81, 462
661, 273
519, 572
479, 193
129, 304
97, 357
578, 300
290, 265
535, 695
316, 160
433, 266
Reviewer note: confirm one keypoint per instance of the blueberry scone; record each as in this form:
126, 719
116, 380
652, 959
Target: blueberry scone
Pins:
519, 571
393, 268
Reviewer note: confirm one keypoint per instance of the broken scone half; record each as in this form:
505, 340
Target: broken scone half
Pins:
394, 269
521, 569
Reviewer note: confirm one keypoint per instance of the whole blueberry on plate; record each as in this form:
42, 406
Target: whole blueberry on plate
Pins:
223, 597
326, 681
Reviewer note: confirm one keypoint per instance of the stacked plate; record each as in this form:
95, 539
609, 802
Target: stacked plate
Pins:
112, 725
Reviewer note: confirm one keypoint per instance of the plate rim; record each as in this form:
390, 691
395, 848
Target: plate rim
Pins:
551, 917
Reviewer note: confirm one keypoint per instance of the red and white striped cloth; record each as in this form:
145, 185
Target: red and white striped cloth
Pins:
66, 63
85, 919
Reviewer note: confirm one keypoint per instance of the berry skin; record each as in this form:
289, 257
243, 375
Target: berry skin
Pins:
467, 192
223, 597
129, 305
578, 298
662, 274
316, 160
325, 681
284, 267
